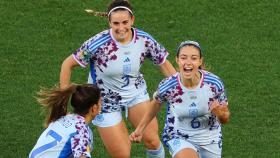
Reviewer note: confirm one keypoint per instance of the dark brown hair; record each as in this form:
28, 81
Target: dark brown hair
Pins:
82, 98
117, 3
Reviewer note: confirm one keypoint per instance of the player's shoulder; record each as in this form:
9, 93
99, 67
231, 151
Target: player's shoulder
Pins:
102, 36
143, 34
211, 78
96, 41
168, 83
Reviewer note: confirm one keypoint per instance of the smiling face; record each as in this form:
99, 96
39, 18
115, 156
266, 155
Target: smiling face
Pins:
121, 22
189, 60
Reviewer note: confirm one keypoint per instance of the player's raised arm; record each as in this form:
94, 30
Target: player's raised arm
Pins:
167, 69
65, 72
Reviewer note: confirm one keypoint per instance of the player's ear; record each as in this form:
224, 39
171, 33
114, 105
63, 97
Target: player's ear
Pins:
95, 109
177, 59
132, 20
200, 61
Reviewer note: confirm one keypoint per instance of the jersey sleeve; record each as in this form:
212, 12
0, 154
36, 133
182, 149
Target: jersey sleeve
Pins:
220, 93
221, 97
155, 51
83, 55
159, 95
169, 90
81, 141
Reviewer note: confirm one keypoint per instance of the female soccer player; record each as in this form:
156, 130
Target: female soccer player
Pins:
196, 108
68, 135
115, 57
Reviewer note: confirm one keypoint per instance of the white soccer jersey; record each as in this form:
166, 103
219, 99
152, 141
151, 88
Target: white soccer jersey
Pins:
188, 112
69, 136
115, 68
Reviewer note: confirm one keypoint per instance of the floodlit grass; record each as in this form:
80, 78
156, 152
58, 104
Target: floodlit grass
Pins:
240, 40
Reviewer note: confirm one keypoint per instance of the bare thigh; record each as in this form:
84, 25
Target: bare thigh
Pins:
150, 136
115, 139
187, 153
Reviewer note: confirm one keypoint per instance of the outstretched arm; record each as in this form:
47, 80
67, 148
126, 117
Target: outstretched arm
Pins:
221, 111
167, 69
154, 108
65, 72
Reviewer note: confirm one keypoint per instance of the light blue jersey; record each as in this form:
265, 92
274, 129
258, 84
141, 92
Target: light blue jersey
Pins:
188, 115
115, 68
69, 136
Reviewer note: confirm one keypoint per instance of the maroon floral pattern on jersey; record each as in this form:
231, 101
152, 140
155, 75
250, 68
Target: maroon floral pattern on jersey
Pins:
111, 101
155, 51
81, 140
169, 130
139, 82
105, 54
172, 94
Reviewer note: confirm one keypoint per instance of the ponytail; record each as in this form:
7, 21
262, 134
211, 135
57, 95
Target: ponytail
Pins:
96, 13
56, 101
83, 97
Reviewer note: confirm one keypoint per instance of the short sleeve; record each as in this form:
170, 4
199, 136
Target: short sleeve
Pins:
221, 93
169, 90
158, 94
82, 55
81, 141
88, 51
221, 97
155, 51
158, 97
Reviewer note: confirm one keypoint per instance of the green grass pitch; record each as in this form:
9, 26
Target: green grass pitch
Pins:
240, 40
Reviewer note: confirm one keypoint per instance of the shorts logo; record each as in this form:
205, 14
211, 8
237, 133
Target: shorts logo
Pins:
175, 145
176, 142
99, 118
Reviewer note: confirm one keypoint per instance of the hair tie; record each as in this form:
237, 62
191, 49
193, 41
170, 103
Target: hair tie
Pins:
119, 7
187, 43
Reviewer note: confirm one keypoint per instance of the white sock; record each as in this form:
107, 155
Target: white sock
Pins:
159, 153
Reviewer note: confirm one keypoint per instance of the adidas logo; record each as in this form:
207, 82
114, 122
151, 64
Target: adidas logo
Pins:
193, 105
126, 60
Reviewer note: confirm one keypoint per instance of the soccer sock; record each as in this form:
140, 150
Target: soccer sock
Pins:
159, 153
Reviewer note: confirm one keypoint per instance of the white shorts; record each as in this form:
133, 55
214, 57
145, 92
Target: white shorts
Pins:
205, 151
113, 118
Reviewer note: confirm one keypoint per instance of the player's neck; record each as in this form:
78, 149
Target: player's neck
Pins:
192, 82
88, 119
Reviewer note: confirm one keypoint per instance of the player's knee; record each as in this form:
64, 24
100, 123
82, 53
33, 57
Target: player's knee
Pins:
152, 142
124, 153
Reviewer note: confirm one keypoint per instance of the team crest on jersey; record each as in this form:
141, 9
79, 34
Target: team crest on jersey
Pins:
83, 55
99, 118
193, 112
126, 69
